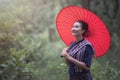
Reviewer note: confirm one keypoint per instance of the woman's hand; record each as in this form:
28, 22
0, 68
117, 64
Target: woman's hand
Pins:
65, 54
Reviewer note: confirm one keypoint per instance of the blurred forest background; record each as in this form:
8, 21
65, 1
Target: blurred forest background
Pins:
30, 45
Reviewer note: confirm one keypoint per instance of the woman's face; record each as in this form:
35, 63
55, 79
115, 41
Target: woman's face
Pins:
77, 29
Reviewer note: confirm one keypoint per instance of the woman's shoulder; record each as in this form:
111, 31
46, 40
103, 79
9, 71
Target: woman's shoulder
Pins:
87, 42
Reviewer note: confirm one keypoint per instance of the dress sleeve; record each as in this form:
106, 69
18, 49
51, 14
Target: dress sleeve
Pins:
88, 55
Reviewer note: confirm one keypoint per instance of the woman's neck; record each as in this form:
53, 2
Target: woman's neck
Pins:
79, 38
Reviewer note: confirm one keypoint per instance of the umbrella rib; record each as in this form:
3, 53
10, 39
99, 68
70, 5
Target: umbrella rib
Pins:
89, 18
77, 13
72, 12
81, 14
97, 48
93, 20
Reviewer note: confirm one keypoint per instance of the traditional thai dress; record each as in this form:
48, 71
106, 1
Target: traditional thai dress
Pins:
82, 51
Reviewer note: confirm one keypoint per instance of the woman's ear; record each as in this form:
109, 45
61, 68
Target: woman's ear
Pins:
83, 31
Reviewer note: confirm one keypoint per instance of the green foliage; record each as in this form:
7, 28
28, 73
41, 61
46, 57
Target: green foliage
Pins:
49, 62
16, 67
99, 71
104, 72
62, 70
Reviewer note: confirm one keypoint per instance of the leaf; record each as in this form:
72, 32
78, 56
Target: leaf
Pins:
4, 65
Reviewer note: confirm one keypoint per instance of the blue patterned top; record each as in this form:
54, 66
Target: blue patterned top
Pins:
86, 54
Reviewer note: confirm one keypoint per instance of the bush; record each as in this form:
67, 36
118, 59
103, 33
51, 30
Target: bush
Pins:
104, 71
16, 67
99, 72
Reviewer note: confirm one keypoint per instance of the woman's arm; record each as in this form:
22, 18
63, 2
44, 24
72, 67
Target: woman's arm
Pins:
76, 62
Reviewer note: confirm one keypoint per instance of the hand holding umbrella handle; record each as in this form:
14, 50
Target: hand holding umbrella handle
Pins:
65, 51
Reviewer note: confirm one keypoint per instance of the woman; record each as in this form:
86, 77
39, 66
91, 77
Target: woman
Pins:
79, 55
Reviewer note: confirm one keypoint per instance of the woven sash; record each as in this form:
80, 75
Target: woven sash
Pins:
77, 51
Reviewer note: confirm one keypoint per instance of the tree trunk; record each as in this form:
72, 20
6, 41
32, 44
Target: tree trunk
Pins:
106, 6
116, 8
51, 34
86, 4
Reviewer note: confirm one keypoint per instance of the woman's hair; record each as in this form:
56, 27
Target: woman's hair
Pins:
84, 26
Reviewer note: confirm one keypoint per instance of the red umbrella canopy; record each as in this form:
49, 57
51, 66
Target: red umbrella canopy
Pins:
98, 34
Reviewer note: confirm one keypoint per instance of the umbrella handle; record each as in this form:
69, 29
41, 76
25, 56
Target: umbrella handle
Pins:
61, 56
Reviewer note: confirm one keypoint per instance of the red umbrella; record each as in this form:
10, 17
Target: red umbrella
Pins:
98, 34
